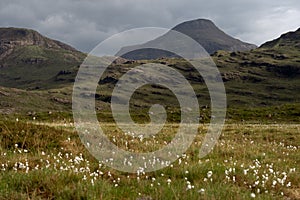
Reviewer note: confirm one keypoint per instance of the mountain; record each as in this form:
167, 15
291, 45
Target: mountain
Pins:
204, 31
28, 59
265, 76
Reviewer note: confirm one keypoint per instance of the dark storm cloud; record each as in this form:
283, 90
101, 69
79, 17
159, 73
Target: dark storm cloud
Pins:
85, 23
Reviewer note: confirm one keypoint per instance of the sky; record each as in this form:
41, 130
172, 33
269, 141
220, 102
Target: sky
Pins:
85, 23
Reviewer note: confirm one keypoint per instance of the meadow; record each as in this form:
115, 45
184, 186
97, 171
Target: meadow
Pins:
46, 160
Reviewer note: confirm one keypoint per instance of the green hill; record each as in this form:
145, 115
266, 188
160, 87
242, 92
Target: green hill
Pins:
30, 60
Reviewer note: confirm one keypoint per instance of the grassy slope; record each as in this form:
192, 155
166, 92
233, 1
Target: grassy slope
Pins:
257, 78
20, 72
251, 88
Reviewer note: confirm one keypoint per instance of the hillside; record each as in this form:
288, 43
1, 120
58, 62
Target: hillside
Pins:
262, 77
290, 39
204, 31
30, 60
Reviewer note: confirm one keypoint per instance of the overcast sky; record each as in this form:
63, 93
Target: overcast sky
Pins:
85, 23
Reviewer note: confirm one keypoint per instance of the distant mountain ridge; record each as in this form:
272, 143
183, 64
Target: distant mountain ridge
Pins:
203, 31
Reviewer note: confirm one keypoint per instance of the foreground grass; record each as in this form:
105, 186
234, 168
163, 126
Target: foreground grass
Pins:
48, 161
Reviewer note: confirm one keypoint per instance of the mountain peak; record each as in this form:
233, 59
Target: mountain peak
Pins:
203, 31
14, 33
206, 33
197, 23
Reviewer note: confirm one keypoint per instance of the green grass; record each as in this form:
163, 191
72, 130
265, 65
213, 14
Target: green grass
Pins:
59, 167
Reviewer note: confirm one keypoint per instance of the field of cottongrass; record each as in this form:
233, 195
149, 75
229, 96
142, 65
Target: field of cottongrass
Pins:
250, 161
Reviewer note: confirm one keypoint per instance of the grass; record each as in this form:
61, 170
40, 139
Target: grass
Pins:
46, 160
